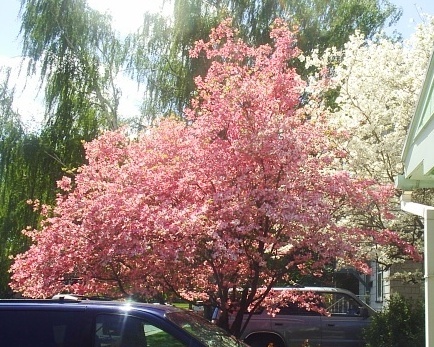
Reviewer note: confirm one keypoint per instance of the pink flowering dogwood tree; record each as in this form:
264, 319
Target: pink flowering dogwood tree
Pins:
240, 197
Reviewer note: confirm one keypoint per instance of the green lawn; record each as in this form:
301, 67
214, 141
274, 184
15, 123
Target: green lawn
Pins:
183, 305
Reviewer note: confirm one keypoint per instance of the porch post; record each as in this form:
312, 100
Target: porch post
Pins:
427, 212
429, 276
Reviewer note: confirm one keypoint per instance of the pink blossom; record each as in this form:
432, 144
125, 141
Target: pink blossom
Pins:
244, 197
65, 183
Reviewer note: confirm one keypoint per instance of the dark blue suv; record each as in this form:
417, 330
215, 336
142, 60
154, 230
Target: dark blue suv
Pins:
73, 322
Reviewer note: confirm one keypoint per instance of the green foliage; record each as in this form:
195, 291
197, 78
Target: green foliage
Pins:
10, 132
160, 56
160, 49
29, 168
401, 324
78, 55
326, 24
19, 178
30, 165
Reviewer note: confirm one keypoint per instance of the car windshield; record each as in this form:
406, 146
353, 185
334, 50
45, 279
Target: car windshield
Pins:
209, 334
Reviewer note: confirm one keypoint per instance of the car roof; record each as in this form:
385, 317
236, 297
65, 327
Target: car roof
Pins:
313, 289
77, 302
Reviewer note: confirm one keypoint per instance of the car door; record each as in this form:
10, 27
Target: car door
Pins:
48, 326
297, 325
129, 331
344, 326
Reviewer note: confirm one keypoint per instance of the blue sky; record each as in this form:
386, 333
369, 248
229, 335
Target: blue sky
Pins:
9, 21
411, 14
9, 27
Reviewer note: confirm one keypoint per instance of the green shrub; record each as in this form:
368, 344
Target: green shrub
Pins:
401, 324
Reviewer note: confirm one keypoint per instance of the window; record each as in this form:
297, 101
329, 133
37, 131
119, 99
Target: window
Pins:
157, 337
126, 331
40, 328
380, 283
341, 304
295, 309
209, 334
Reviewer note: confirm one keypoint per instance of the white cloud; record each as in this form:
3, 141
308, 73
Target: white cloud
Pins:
127, 15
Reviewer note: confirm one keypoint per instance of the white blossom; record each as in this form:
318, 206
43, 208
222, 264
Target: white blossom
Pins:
378, 83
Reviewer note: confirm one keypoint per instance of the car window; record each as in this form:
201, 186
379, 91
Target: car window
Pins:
126, 331
294, 309
28, 328
341, 304
209, 334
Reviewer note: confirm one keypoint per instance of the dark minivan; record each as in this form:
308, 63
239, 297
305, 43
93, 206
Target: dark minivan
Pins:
73, 322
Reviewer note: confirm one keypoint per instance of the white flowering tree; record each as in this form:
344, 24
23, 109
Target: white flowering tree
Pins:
373, 88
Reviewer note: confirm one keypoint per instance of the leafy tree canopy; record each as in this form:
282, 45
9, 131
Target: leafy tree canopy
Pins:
77, 54
376, 84
245, 196
160, 49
